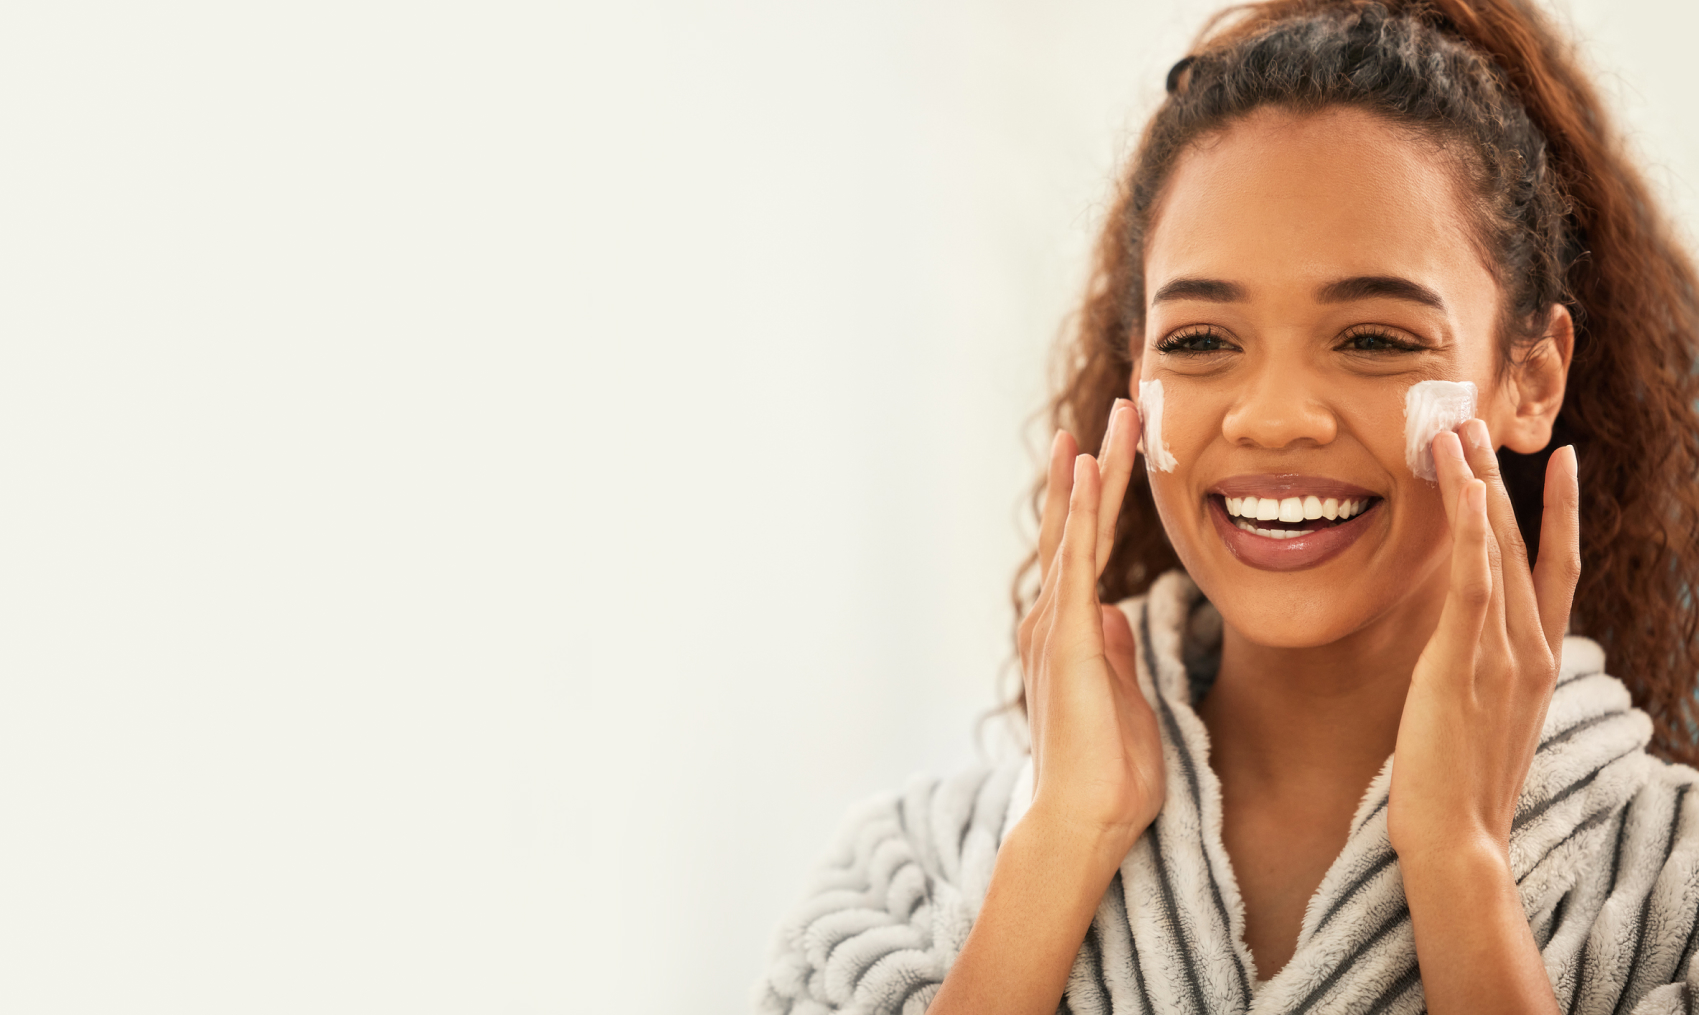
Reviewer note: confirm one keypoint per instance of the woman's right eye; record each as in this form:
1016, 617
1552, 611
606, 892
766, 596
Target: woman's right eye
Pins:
1200, 340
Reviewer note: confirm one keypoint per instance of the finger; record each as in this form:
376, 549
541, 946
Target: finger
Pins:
1453, 471
1116, 468
1515, 583
1058, 485
1469, 598
1078, 629
1558, 566
1108, 432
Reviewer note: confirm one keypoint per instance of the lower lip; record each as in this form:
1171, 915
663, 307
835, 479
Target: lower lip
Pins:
1294, 554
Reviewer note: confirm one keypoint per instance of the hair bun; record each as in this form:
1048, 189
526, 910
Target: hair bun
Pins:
1175, 71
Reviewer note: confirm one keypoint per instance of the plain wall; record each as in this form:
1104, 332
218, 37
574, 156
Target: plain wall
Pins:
484, 487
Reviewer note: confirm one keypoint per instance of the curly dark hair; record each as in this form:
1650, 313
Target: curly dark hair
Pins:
1565, 217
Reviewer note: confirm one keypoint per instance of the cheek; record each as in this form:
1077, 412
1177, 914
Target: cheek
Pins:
1153, 436
1179, 420
1190, 430
1415, 526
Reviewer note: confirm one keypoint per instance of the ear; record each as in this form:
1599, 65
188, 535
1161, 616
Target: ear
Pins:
1535, 385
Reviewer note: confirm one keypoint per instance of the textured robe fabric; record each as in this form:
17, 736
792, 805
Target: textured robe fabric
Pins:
1604, 848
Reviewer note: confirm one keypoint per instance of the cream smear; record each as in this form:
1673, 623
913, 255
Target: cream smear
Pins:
1431, 408
1156, 453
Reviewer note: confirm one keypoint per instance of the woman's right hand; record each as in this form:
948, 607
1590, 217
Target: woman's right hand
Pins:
1097, 753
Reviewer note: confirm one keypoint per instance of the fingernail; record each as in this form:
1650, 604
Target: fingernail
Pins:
1478, 434
1118, 417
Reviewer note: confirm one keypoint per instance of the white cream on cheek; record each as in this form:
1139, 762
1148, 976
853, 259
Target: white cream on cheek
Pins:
1155, 449
1431, 408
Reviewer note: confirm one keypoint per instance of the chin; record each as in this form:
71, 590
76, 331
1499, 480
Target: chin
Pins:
1306, 619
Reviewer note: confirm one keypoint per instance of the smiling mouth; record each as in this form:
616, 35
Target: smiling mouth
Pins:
1291, 517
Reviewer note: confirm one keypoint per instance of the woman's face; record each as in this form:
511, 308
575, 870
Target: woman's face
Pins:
1303, 271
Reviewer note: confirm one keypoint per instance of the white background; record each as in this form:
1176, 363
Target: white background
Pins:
483, 487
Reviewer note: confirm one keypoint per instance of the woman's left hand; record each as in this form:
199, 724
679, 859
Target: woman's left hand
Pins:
1471, 725
1478, 696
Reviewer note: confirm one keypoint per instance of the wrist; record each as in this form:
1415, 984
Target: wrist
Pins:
1054, 870
1093, 849
1473, 941
1469, 855
1471, 879
1049, 878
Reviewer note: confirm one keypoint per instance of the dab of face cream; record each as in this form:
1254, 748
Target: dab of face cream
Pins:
1431, 408
1156, 453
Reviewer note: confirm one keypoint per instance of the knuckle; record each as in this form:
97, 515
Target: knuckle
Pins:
1514, 549
1475, 591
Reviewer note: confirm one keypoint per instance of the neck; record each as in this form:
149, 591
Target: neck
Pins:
1292, 721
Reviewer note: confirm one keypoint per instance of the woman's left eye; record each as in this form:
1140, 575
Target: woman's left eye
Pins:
1377, 341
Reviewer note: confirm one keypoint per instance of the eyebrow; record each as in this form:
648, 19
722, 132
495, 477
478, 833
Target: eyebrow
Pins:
1209, 290
1368, 287
1362, 287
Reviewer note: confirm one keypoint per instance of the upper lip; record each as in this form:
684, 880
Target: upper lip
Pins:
1283, 485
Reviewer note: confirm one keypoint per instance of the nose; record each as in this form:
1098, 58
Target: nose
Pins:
1280, 409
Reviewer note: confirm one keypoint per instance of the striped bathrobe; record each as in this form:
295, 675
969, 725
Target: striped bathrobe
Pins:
1605, 849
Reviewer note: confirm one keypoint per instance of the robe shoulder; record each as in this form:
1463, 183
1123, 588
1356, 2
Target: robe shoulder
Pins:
1622, 938
887, 911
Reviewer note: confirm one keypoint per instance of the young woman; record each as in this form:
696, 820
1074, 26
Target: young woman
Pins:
1328, 747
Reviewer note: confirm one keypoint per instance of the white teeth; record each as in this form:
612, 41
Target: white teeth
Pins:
1272, 533
1295, 509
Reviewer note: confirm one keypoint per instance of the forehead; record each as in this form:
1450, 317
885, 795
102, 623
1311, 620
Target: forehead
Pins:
1281, 202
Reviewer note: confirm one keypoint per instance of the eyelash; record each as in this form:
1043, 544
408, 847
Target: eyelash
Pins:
1394, 343
1180, 342
1177, 342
